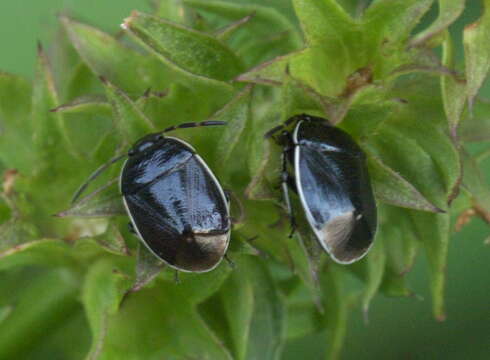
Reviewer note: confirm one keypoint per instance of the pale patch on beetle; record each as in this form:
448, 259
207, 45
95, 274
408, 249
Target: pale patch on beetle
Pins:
337, 231
212, 243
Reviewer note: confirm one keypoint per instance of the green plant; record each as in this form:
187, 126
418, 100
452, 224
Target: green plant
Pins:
244, 62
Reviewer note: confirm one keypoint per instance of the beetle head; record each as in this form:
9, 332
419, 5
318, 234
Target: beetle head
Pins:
284, 138
144, 143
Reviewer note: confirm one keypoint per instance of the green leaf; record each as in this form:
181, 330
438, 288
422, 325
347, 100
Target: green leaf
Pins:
103, 201
29, 322
240, 245
102, 292
110, 144
477, 53
82, 81
414, 143
387, 25
148, 266
363, 120
417, 167
271, 72
12, 86
285, 8
391, 188
265, 48
302, 319
239, 309
453, 91
449, 11
266, 31
198, 59
256, 330
393, 20
197, 287
474, 182
260, 155
85, 104
170, 324
311, 66
433, 231
87, 121
297, 98
401, 246
236, 114
325, 22
179, 105
172, 10
395, 286
48, 252
64, 56
476, 127
336, 304
305, 260
107, 57
48, 128
267, 323
225, 33
335, 43
400, 241
112, 240
5, 311
374, 272
69, 338
15, 231
128, 118
15, 106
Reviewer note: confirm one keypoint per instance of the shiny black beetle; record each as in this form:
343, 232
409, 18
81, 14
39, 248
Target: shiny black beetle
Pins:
330, 176
177, 207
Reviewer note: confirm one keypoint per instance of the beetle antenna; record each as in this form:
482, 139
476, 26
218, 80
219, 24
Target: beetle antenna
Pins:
94, 175
194, 124
272, 131
285, 124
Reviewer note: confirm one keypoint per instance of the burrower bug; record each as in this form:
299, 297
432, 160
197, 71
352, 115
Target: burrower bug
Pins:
328, 171
177, 207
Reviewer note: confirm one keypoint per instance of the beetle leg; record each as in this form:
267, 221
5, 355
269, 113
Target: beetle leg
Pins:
131, 228
240, 211
273, 131
227, 195
285, 190
292, 184
230, 262
176, 277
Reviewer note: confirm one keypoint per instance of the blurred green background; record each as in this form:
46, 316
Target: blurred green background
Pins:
397, 328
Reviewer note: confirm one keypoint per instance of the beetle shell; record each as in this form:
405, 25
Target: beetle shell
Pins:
176, 204
333, 185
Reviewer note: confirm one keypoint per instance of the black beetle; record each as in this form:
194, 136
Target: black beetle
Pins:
177, 207
330, 176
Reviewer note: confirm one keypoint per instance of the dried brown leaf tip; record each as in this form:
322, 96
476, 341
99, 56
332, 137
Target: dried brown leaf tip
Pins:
482, 213
357, 80
464, 218
9, 177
